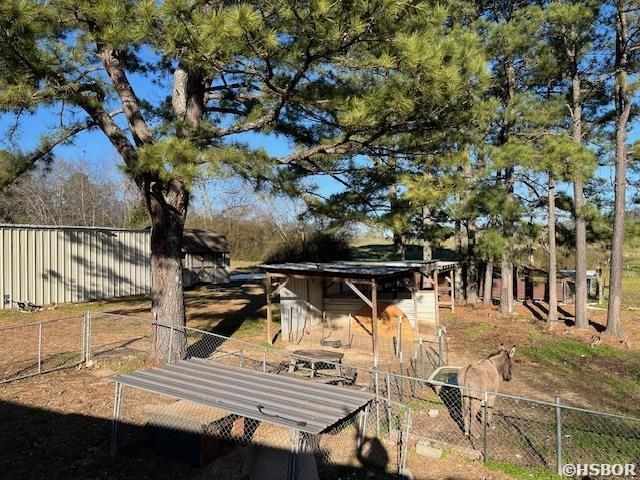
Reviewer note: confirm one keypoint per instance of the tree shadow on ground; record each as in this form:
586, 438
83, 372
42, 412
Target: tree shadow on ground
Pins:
37, 442
540, 310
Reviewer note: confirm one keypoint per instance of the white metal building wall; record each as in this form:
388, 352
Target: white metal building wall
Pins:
46, 265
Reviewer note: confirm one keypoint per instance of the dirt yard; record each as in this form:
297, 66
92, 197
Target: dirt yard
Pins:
58, 424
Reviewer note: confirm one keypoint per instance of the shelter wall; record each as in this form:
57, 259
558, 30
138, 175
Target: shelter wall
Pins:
303, 300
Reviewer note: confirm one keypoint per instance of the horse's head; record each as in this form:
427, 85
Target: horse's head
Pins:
507, 362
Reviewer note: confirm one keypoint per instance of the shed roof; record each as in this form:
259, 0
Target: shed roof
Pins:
204, 241
357, 270
339, 270
277, 399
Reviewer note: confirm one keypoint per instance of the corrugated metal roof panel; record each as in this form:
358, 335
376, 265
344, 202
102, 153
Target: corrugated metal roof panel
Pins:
281, 400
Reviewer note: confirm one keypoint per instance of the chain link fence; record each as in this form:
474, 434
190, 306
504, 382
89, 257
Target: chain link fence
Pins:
510, 429
38, 347
410, 411
224, 445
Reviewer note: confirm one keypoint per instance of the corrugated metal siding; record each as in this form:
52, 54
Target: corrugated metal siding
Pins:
58, 265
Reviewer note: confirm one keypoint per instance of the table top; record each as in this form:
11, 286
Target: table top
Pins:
327, 355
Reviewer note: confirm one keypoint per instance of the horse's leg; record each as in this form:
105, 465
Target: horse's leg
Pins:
475, 409
465, 412
491, 400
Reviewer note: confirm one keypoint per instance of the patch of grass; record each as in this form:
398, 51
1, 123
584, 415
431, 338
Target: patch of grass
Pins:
522, 473
609, 441
558, 351
476, 331
631, 289
621, 389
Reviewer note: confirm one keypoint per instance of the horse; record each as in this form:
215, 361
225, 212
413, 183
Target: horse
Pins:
484, 376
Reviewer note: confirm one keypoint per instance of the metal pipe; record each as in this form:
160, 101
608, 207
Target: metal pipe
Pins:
87, 355
40, 348
485, 421
83, 337
170, 345
388, 382
264, 360
116, 418
558, 436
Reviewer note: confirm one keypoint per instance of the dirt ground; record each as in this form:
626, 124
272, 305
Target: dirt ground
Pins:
58, 424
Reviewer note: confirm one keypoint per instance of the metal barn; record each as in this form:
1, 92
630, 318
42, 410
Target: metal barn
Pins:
51, 264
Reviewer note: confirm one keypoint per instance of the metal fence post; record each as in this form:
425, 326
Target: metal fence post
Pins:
40, 347
440, 347
377, 403
388, 382
558, 436
170, 345
87, 342
485, 417
264, 360
83, 337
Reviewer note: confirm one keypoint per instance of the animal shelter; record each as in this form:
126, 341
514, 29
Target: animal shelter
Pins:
362, 305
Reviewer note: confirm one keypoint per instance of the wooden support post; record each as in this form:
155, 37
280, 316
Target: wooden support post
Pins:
452, 282
414, 297
269, 308
374, 321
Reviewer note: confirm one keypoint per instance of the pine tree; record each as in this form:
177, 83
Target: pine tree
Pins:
335, 77
571, 29
627, 20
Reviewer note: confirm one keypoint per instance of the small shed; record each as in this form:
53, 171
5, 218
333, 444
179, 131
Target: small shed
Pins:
366, 297
205, 257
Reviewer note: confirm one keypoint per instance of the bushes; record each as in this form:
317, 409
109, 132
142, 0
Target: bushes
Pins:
316, 246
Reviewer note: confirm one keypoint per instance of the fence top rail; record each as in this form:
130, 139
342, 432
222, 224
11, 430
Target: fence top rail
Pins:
398, 376
119, 315
41, 322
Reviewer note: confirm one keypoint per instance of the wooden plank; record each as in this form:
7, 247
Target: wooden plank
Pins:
360, 294
279, 287
374, 322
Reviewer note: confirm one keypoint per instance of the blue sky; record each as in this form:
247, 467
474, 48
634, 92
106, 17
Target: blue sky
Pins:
93, 148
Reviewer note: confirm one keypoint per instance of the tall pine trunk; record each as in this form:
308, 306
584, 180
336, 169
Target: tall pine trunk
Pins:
472, 264
623, 108
488, 283
167, 225
582, 321
427, 250
398, 236
552, 316
471, 280
399, 250
506, 288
